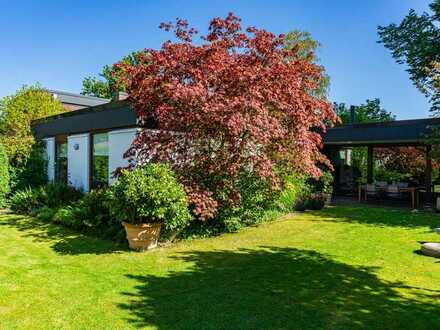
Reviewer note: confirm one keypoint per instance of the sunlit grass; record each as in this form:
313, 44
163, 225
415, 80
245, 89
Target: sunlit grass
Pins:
342, 267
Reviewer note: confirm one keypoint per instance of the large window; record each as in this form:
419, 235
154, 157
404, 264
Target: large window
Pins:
100, 160
61, 159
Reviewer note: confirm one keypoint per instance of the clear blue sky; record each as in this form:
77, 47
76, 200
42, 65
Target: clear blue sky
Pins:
58, 43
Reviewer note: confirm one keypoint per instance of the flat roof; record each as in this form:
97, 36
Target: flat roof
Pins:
113, 115
77, 99
119, 114
396, 132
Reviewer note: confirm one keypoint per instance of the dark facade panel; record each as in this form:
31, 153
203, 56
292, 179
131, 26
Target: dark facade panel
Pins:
119, 114
396, 132
104, 117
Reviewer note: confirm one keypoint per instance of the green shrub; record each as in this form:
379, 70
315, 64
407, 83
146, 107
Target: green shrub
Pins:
90, 214
300, 205
316, 201
257, 203
324, 184
46, 214
94, 208
93, 211
383, 174
52, 195
294, 188
33, 173
4, 176
58, 195
66, 216
26, 201
256, 197
150, 194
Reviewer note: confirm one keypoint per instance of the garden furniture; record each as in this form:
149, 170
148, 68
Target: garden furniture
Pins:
396, 190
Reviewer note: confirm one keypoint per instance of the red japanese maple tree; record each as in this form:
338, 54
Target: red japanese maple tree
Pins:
238, 100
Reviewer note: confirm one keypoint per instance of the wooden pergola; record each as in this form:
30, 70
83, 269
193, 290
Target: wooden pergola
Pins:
399, 133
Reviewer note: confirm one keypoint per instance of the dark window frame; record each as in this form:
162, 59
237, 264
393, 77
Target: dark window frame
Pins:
91, 162
61, 139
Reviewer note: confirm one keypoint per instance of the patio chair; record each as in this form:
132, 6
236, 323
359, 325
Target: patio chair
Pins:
370, 190
402, 184
381, 184
393, 191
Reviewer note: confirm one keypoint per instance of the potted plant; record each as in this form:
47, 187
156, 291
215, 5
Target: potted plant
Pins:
149, 201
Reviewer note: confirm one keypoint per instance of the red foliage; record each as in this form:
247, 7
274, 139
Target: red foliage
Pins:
237, 100
410, 160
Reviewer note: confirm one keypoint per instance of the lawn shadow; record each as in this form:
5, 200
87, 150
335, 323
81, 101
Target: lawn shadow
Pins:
381, 217
276, 288
64, 240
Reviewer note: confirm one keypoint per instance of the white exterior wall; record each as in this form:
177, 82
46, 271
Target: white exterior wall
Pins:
118, 143
78, 161
50, 156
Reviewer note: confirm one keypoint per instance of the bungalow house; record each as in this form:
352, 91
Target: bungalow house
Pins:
85, 146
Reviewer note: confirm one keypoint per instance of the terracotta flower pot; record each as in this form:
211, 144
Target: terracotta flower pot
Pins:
143, 236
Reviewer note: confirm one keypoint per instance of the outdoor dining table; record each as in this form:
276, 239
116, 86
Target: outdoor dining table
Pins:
411, 190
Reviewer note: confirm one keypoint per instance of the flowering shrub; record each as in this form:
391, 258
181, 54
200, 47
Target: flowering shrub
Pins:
239, 100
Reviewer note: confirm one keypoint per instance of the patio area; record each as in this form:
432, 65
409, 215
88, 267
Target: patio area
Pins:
353, 201
412, 193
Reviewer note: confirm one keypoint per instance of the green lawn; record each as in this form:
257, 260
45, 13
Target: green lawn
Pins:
342, 267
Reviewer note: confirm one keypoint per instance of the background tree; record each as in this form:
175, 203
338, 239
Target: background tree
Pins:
307, 48
416, 43
4, 176
19, 110
106, 84
107, 81
369, 112
238, 101
401, 163
33, 173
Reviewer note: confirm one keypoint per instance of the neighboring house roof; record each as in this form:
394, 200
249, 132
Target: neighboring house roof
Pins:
77, 99
388, 133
